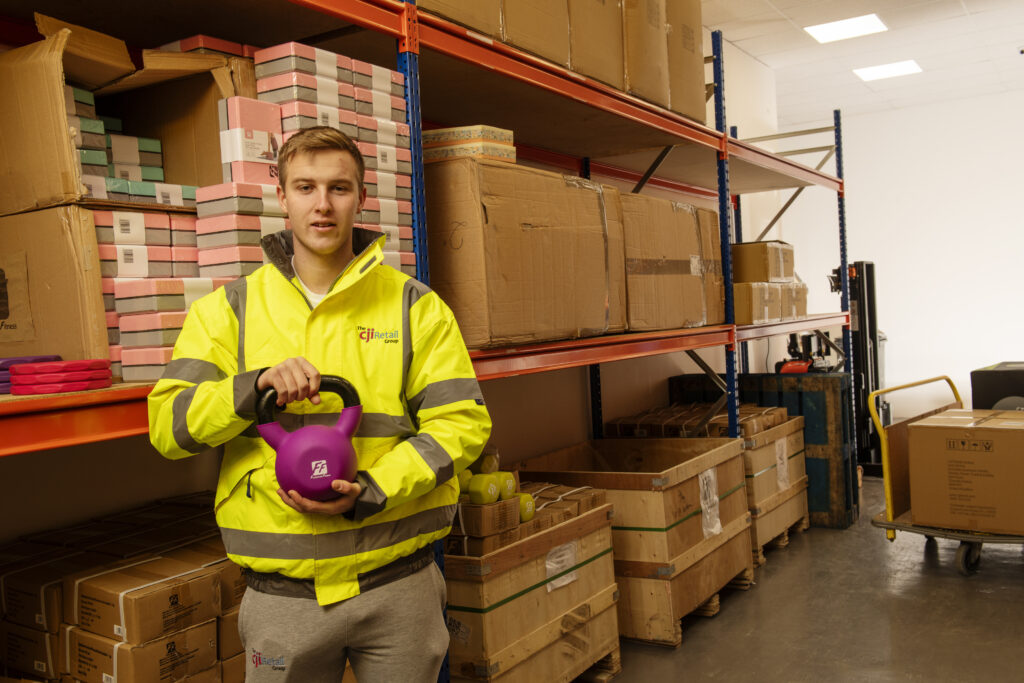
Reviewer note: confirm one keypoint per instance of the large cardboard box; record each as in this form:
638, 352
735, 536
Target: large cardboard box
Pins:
616, 259
770, 261
538, 26
29, 650
481, 15
757, 303
663, 264
210, 552
33, 595
62, 311
794, 300
595, 40
686, 59
173, 98
646, 50
174, 657
520, 255
966, 470
711, 266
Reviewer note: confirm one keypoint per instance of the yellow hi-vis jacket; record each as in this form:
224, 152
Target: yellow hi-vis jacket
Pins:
423, 422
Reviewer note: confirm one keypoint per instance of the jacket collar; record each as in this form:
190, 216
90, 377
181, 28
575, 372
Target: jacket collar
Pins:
280, 247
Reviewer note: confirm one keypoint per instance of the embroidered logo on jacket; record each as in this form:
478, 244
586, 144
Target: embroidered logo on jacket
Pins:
370, 334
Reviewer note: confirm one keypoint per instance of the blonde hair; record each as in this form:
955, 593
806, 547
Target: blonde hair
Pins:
317, 139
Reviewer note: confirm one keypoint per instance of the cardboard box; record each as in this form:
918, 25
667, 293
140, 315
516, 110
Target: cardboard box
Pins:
478, 150
686, 59
486, 520
646, 50
966, 468
26, 649
770, 261
663, 264
229, 642
288, 57
33, 595
173, 657
756, 303
794, 300
538, 26
374, 77
774, 461
383, 132
173, 98
481, 15
233, 670
147, 600
595, 40
58, 247
711, 266
236, 230
519, 254
145, 365
617, 301
379, 105
388, 185
210, 552
992, 384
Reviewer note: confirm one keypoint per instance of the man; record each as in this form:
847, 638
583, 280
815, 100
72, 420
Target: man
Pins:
352, 577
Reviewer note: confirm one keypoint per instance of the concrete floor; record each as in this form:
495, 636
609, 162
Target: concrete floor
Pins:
851, 606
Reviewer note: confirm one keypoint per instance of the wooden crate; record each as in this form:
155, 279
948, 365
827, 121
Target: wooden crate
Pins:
772, 520
654, 485
650, 609
765, 452
539, 609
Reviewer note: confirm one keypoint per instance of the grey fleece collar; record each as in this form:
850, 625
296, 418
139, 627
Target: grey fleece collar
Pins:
280, 247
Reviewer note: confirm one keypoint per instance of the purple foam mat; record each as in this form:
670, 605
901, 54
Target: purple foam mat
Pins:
5, 376
6, 363
5, 387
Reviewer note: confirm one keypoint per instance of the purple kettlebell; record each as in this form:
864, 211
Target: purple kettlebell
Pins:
311, 457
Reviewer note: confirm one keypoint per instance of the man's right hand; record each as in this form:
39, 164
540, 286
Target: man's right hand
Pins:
294, 380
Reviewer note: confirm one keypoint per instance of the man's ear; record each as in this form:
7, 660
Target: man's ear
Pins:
362, 196
281, 200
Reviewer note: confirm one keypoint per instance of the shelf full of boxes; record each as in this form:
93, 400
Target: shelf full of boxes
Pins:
451, 50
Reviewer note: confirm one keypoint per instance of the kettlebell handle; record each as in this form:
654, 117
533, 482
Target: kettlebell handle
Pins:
266, 402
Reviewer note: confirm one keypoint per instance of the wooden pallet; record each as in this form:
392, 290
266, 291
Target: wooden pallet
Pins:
604, 670
780, 541
772, 522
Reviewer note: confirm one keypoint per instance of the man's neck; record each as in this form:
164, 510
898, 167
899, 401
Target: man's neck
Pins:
318, 273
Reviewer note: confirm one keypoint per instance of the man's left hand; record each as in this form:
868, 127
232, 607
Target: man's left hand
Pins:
349, 491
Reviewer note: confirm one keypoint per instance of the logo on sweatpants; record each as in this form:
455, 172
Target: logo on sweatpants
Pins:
275, 663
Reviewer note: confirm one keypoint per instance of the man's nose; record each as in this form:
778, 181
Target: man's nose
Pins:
323, 204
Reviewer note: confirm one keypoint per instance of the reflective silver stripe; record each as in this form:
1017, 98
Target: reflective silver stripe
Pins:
193, 370
372, 499
371, 426
444, 393
244, 389
413, 291
367, 265
179, 422
236, 294
339, 543
434, 455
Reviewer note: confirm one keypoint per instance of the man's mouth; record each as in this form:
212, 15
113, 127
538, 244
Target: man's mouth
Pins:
322, 224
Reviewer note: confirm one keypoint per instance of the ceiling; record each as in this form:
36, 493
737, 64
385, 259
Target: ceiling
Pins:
966, 48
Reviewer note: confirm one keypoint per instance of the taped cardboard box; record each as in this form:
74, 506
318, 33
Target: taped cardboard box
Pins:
794, 300
173, 98
711, 261
520, 255
595, 40
26, 649
757, 303
663, 264
481, 15
58, 247
175, 657
33, 595
538, 26
229, 641
210, 552
762, 262
966, 467
686, 59
232, 670
646, 50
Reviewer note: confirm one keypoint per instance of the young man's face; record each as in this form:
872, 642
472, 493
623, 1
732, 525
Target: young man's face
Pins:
322, 197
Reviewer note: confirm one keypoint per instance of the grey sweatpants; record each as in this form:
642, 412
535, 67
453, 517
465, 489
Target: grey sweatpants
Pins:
394, 632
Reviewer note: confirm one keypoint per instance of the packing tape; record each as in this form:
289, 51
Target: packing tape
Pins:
387, 132
195, 288
327, 90
388, 211
381, 104
118, 568
117, 651
129, 227
41, 617
380, 79
387, 184
271, 205
271, 224
326, 63
120, 599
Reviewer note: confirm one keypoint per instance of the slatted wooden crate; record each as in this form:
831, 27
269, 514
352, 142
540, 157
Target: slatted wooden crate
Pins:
668, 494
541, 609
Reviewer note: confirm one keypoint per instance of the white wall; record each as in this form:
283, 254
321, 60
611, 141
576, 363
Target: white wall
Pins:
932, 196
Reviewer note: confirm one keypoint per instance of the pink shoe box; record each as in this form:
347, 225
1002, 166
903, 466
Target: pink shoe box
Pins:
366, 75
132, 227
230, 261
294, 86
184, 262
145, 364
205, 44
115, 360
384, 132
387, 212
250, 135
398, 238
233, 230
113, 329
250, 199
388, 185
297, 116
183, 230
158, 295
150, 329
250, 51
385, 158
287, 57
380, 105
127, 260
401, 260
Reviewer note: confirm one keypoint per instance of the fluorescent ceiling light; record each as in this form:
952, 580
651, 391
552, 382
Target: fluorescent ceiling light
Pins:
874, 73
847, 28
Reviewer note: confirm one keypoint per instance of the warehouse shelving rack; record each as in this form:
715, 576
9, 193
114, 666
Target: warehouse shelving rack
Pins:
611, 134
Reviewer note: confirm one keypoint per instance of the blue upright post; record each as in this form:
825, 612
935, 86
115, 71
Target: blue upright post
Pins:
738, 229
408, 64
724, 226
844, 277
594, 371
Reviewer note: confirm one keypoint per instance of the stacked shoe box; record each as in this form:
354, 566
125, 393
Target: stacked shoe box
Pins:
232, 218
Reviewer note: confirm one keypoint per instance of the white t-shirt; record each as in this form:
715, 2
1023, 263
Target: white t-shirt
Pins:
314, 298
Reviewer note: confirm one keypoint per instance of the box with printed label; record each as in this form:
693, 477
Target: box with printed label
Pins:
230, 261
366, 75
663, 264
145, 364
29, 650
128, 260
289, 57
762, 262
386, 158
236, 230
33, 595
210, 552
146, 600
293, 86
381, 211
249, 199
681, 527
250, 135
551, 595
173, 657
520, 254
378, 104
383, 132
162, 294
132, 227
965, 470
397, 238
299, 115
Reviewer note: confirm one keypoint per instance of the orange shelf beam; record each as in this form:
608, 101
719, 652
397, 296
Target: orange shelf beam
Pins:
813, 322
383, 16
